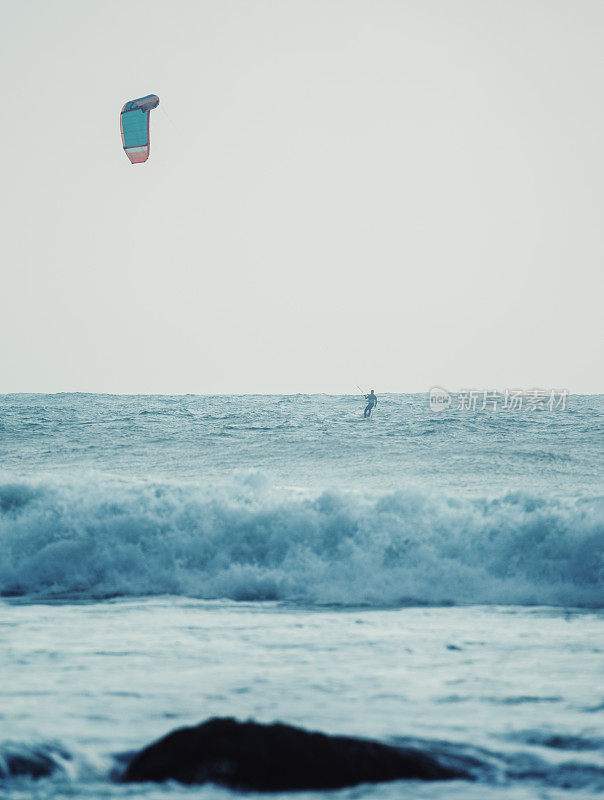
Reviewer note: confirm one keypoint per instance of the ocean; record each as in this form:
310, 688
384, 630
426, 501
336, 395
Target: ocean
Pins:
428, 579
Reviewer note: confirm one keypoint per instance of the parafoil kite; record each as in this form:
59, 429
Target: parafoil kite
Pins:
134, 125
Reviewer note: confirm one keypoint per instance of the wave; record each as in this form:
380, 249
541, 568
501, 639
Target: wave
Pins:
100, 537
20, 759
34, 760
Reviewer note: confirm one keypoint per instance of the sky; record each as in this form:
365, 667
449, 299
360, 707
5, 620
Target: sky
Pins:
387, 193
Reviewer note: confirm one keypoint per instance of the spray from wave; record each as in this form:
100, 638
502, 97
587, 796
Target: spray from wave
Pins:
101, 537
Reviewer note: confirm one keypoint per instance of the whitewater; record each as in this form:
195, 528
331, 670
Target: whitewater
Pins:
422, 576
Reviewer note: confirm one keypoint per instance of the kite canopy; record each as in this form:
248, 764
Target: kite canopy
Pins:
134, 125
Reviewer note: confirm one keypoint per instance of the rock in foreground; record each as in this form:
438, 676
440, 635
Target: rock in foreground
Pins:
247, 755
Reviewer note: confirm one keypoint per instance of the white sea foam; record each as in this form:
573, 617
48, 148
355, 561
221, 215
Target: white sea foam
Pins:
103, 537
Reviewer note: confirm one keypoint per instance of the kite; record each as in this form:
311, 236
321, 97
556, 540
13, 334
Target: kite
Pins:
134, 125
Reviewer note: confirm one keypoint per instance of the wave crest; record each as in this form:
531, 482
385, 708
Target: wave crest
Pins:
245, 541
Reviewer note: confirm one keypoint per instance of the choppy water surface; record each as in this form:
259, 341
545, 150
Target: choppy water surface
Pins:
426, 577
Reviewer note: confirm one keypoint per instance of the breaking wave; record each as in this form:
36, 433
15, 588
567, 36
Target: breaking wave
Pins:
100, 538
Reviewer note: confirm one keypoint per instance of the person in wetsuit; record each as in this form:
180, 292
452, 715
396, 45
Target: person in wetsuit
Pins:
371, 403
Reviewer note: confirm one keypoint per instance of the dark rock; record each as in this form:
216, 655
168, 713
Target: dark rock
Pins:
247, 755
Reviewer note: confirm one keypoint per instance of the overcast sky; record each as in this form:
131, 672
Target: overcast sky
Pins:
391, 193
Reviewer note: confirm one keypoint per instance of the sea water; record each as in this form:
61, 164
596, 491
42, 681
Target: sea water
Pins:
432, 579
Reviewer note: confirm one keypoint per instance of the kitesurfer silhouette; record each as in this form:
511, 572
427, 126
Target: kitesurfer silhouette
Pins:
371, 403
